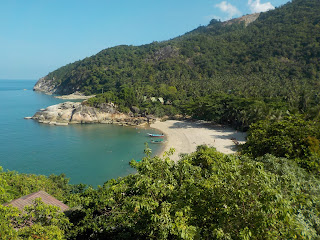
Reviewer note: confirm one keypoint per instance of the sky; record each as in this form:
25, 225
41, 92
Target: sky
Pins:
39, 36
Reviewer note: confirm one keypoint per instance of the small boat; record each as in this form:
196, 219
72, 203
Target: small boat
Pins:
157, 141
155, 135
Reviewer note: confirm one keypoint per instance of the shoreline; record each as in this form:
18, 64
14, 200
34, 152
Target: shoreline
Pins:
74, 96
185, 136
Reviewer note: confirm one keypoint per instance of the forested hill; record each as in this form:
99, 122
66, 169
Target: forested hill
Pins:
277, 56
264, 74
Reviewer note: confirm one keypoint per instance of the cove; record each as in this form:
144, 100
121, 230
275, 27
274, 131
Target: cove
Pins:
86, 153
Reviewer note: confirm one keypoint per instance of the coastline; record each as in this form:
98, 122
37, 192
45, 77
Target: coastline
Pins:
75, 96
185, 136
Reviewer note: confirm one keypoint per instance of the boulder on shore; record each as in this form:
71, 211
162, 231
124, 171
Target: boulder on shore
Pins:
76, 112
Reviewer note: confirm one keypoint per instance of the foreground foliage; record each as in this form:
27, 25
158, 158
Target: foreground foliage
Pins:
206, 195
39, 221
292, 137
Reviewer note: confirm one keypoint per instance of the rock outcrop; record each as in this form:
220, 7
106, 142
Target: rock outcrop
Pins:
76, 112
247, 19
45, 85
52, 86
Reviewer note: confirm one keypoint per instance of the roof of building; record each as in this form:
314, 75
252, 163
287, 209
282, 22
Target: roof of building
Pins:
28, 200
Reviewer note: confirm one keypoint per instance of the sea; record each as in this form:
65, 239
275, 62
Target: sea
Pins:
85, 153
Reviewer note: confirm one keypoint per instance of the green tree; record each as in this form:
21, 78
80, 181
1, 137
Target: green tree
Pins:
206, 195
43, 222
292, 137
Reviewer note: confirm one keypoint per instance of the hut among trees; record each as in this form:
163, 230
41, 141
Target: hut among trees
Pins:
29, 199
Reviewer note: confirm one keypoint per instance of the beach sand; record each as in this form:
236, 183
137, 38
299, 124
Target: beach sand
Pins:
75, 96
185, 136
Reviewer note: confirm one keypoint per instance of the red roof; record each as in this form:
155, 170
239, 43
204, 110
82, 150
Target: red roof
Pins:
28, 200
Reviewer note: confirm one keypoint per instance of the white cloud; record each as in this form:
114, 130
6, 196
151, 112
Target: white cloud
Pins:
228, 8
256, 7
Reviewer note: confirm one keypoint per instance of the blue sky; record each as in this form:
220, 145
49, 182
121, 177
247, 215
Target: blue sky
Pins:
38, 36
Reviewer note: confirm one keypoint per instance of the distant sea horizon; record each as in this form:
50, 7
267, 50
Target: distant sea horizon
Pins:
86, 153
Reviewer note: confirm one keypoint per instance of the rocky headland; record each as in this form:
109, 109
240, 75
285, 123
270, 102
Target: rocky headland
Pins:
53, 86
44, 85
77, 112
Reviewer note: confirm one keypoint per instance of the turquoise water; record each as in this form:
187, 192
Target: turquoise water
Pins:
90, 154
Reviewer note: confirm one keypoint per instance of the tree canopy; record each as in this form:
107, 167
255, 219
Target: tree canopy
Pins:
273, 60
263, 77
205, 195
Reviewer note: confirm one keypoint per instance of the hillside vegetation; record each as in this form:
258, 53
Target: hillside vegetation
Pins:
264, 77
272, 64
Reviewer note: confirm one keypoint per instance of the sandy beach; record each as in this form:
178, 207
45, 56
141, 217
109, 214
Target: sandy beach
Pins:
185, 136
75, 96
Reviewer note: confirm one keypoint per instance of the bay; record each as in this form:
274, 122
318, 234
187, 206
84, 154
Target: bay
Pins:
86, 153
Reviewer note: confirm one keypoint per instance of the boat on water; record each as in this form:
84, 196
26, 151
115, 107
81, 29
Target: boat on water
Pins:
157, 141
155, 135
